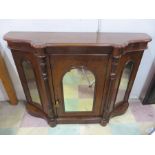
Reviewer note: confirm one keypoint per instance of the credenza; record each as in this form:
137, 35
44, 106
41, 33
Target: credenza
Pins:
76, 77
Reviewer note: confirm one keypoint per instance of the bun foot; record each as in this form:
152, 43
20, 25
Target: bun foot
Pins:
52, 123
103, 122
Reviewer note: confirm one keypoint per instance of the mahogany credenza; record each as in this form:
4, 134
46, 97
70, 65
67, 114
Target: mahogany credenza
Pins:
72, 77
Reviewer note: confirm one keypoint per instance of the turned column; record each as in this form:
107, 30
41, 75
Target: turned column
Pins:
42, 69
112, 91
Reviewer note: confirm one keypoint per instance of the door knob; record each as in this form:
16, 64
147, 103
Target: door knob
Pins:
57, 103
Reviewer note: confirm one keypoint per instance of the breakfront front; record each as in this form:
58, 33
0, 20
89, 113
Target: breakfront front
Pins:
77, 77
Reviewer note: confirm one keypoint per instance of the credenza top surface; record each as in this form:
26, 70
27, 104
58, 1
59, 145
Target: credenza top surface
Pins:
44, 39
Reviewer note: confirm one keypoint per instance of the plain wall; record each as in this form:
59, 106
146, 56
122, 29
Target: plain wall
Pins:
145, 26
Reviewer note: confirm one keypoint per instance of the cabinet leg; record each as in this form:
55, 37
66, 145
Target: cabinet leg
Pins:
52, 123
34, 111
104, 122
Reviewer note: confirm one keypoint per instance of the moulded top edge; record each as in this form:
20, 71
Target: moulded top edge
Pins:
46, 39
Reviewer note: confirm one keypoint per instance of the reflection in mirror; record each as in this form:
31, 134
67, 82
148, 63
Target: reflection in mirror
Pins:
124, 82
31, 82
78, 90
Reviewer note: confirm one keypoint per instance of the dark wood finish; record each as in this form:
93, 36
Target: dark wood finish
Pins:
52, 54
100, 62
48, 39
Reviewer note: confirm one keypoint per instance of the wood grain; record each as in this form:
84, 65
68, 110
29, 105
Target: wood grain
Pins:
52, 54
6, 81
44, 39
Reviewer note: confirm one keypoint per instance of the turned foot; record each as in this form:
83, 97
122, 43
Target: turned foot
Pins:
52, 123
103, 122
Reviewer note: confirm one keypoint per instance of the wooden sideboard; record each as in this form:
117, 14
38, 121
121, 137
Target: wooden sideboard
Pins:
77, 77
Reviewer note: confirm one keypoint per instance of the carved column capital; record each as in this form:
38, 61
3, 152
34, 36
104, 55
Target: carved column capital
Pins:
116, 55
41, 57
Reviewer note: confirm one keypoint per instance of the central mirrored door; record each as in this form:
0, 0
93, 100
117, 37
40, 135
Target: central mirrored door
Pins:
78, 90
79, 84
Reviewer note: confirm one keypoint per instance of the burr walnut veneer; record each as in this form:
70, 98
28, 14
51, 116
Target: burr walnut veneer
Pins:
77, 77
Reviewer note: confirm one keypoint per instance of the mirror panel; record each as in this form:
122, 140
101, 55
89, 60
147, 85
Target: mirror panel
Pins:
31, 82
78, 90
124, 82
